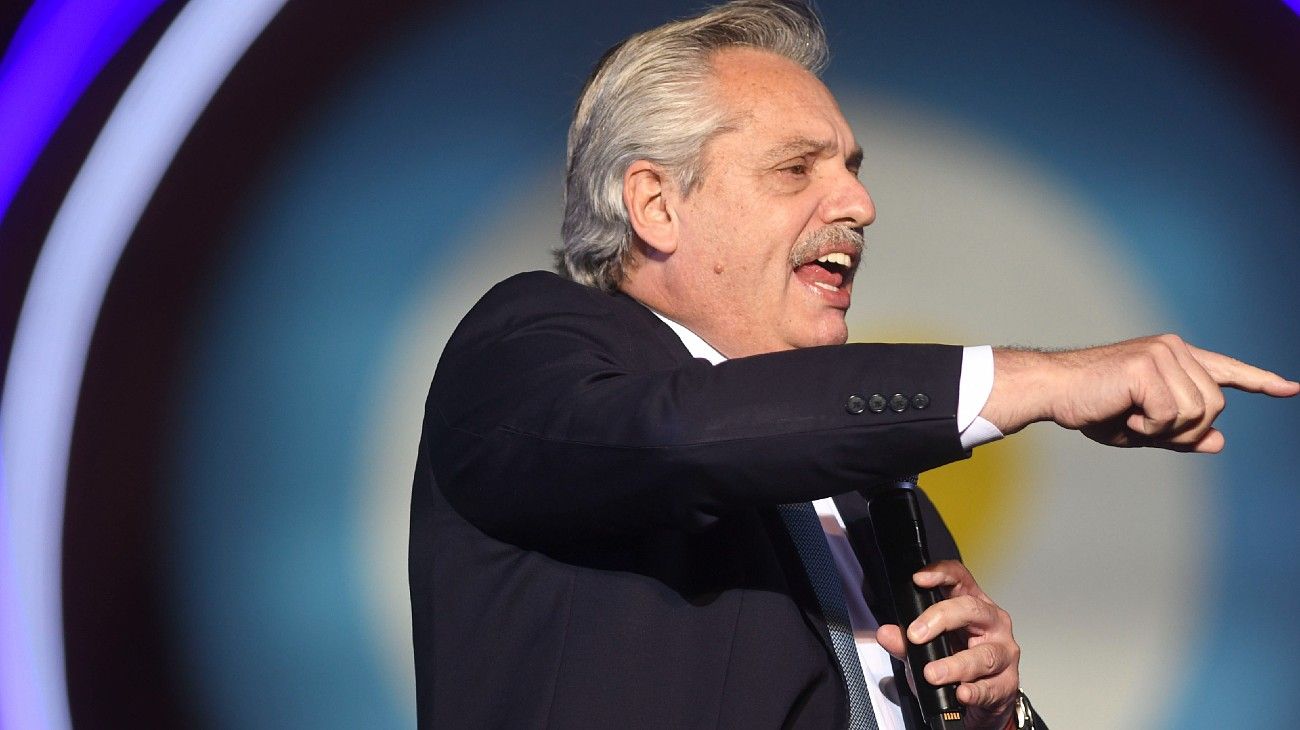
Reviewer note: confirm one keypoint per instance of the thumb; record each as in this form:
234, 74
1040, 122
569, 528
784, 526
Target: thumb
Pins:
890, 639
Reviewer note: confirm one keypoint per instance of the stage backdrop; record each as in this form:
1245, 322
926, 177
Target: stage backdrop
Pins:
214, 532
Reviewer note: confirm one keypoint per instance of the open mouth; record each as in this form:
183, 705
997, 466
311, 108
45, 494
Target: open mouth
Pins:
828, 272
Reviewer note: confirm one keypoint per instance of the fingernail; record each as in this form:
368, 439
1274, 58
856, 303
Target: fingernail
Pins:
934, 673
917, 632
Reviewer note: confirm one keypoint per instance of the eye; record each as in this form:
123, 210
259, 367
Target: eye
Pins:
798, 169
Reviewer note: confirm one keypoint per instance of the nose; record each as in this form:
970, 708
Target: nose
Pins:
848, 202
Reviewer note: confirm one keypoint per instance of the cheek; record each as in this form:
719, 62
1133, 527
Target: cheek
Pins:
747, 234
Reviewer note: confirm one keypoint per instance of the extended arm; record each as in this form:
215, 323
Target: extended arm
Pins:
558, 413
1154, 391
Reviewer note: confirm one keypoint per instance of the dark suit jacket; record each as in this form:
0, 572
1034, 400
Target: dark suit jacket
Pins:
594, 542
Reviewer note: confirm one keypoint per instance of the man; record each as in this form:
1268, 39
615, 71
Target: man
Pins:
598, 537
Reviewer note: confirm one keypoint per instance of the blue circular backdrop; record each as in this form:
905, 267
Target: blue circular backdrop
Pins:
391, 177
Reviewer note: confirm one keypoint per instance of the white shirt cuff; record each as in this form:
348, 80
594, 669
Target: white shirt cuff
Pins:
972, 393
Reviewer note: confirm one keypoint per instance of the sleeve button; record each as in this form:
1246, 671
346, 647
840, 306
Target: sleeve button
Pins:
876, 403
855, 404
898, 403
920, 401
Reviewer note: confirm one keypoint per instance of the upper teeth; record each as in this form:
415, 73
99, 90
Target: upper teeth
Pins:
842, 259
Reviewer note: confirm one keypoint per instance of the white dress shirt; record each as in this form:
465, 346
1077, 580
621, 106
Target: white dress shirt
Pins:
973, 392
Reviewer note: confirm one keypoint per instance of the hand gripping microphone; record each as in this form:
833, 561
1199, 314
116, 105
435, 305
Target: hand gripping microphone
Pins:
900, 536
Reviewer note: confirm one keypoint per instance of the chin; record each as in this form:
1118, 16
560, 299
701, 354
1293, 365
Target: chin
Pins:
823, 333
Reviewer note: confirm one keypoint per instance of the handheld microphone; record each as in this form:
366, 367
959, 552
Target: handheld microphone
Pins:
900, 537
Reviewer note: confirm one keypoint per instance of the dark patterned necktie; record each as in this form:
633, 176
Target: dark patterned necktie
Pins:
810, 541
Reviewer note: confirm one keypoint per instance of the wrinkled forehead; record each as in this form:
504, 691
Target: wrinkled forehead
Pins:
770, 96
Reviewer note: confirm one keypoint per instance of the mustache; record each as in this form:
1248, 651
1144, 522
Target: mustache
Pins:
837, 234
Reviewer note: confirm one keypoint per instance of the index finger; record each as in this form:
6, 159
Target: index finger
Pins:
1234, 373
951, 574
962, 612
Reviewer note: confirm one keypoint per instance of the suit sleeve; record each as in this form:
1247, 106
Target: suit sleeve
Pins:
560, 422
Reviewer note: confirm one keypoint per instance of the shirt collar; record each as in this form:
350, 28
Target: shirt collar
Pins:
693, 342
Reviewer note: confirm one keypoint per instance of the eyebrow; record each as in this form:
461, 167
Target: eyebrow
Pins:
807, 145
854, 160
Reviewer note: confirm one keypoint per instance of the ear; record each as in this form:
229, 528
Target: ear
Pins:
645, 188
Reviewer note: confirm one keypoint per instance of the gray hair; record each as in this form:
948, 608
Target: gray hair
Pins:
647, 99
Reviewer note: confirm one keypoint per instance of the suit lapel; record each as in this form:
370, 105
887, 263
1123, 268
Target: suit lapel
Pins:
862, 537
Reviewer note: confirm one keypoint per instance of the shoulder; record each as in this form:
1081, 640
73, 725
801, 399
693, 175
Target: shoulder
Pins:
548, 311
542, 290
541, 297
